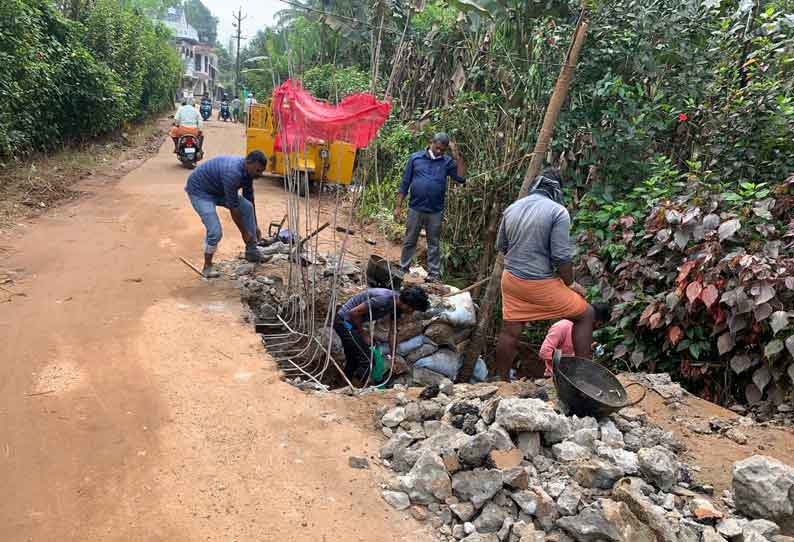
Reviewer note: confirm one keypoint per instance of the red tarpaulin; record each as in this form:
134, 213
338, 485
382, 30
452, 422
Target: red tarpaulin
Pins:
356, 119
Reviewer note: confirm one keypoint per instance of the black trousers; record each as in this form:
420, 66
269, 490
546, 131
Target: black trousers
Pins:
356, 350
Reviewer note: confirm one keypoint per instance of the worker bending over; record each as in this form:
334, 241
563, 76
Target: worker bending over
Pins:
560, 336
369, 306
538, 281
217, 182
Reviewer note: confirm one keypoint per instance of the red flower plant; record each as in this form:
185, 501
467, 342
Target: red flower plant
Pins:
682, 117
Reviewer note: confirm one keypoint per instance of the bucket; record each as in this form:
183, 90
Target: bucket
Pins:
382, 273
589, 389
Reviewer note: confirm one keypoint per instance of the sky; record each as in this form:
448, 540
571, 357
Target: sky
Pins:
260, 14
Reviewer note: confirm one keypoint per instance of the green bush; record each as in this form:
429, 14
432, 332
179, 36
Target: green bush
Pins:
700, 272
63, 80
331, 83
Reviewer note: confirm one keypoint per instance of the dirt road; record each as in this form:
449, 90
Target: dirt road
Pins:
136, 405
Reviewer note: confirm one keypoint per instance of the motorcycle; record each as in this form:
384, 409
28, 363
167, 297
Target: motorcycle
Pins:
189, 150
224, 114
205, 109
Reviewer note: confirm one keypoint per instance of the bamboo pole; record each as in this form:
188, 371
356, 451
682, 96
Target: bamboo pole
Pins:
558, 97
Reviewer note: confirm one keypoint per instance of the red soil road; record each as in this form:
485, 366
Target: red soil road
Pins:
157, 415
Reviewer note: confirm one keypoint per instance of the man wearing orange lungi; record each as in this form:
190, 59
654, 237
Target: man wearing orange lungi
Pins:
186, 121
538, 283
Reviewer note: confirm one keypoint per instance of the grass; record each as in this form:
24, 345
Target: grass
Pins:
32, 185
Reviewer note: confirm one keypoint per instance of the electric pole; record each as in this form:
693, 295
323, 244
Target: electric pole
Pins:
239, 17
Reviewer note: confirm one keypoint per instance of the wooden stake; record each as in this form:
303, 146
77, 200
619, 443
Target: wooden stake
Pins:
193, 267
467, 288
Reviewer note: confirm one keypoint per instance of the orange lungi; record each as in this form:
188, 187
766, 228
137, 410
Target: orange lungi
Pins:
179, 131
546, 299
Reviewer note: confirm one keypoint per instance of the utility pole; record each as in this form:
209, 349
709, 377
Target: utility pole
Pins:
239, 17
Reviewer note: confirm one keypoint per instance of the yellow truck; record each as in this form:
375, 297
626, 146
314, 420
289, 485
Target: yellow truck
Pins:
325, 162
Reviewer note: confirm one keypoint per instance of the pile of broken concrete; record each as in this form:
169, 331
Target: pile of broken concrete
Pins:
484, 468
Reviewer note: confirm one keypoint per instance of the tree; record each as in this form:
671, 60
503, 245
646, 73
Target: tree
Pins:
225, 64
116, 63
200, 18
556, 101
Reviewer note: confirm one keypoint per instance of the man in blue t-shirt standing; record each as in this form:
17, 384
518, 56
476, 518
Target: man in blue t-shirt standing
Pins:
217, 182
425, 177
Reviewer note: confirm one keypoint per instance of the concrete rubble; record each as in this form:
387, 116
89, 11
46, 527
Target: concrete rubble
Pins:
484, 468
763, 488
528, 473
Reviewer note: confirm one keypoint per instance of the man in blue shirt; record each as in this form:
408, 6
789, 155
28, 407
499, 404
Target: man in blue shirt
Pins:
217, 182
425, 177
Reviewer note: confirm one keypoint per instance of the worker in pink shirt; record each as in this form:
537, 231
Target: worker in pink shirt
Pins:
560, 336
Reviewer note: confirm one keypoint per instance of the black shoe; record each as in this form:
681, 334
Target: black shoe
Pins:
253, 255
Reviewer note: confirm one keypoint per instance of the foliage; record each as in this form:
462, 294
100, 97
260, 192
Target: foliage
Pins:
701, 271
326, 82
226, 67
676, 105
62, 80
201, 18
673, 78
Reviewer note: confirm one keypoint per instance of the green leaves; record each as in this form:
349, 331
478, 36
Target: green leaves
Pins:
499, 9
328, 82
114, 67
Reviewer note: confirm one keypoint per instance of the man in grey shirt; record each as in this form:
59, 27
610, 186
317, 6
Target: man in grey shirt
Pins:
538, 282
534, 237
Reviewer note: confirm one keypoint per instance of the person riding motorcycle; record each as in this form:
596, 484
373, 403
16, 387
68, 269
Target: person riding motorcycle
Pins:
223, 111
206, 102
186, 121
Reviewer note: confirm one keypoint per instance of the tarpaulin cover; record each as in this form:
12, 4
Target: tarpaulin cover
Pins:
356, 119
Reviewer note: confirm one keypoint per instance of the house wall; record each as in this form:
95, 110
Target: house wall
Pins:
199, 61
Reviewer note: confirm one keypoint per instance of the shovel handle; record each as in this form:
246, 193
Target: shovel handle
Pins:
644, 393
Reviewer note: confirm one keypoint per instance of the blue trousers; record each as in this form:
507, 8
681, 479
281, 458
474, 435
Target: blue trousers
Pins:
206, 206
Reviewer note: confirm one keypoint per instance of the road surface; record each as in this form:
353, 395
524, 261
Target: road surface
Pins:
135, 405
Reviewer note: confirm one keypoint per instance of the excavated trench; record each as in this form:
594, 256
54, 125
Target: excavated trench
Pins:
296, 332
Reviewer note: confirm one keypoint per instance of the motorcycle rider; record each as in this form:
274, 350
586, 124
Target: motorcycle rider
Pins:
206, 101
223, 111
186, 121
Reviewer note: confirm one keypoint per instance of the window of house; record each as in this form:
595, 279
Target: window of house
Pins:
198, 63
206, 63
